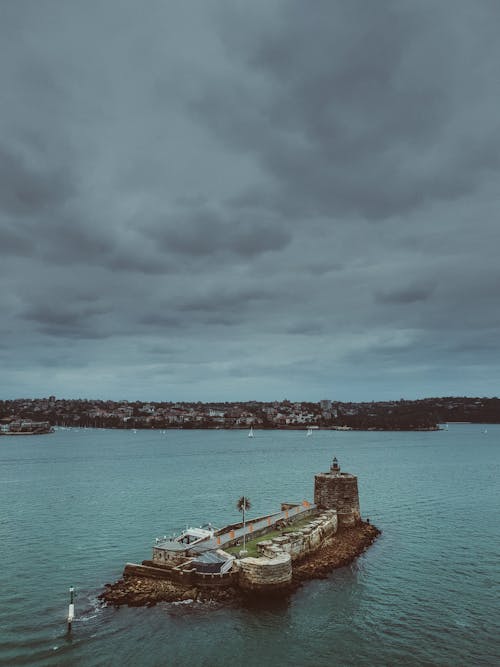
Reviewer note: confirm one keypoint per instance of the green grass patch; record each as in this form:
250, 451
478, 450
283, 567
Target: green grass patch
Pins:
251, 544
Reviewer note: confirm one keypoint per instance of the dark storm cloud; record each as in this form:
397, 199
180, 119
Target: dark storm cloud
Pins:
249, 199
344, 105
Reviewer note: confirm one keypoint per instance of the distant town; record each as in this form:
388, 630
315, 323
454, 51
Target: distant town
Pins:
38, 415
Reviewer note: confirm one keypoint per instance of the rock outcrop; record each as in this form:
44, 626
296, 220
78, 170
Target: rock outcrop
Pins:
339, 550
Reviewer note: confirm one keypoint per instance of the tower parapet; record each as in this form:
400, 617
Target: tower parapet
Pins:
339, 491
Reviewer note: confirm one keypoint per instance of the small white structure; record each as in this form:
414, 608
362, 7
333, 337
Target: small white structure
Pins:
175, 550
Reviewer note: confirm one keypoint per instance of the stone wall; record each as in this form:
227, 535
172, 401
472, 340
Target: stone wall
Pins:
304, 541
152, 572
187, 577
273, 569
166, 557
262, 531
338, 491
265, 574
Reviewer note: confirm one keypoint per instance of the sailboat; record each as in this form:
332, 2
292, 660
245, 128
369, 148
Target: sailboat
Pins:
250, 432
309, 431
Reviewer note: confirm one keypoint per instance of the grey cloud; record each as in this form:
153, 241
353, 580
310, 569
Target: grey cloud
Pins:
162, 319
63, 317
423, 351
323, 267
133, 261
307, 328
410, 294
15, 242
68, 240
27, 188
204, 232
162, 350
344, 114
72, 332
197, 198
225, 299
212, 307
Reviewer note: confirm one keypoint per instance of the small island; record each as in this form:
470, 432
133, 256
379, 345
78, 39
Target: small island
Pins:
268, 555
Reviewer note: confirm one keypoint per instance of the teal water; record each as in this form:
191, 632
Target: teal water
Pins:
76, 505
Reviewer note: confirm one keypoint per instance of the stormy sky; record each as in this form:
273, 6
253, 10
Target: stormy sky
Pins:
226, 200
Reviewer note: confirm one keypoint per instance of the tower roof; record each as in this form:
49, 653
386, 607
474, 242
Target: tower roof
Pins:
335, 465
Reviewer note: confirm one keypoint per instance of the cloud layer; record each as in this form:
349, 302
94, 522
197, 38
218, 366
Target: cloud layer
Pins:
223, 201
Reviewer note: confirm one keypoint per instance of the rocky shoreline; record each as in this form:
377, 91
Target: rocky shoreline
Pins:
338, 551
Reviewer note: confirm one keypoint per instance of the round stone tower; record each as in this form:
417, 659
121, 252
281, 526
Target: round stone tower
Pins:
338, 491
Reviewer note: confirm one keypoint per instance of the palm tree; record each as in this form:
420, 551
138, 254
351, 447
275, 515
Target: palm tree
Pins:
243, 505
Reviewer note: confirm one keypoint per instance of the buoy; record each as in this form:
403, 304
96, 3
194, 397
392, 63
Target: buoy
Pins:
71, 608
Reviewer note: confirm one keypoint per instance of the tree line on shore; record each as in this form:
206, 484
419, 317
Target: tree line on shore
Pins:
403, 414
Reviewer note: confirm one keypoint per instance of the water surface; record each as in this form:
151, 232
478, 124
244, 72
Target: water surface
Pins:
78, 504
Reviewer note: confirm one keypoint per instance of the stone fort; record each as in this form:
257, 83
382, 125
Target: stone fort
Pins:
198, 558
336, 490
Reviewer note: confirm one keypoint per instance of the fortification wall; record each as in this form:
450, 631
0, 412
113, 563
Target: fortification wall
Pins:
304, 541
251, 534
273, 569
265, 574
188, 577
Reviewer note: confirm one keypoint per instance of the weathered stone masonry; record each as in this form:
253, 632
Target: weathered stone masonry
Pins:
339, 491
273, 568
337, 506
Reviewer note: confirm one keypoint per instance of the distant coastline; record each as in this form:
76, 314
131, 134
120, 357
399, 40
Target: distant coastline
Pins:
402, 415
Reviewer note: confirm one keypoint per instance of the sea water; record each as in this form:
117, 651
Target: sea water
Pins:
76, 505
